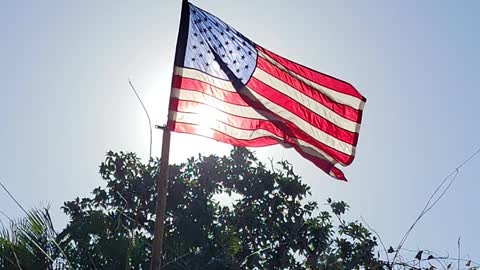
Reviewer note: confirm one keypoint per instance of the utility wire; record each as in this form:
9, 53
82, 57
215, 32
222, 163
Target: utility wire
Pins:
429, 205
146, 113
13, 198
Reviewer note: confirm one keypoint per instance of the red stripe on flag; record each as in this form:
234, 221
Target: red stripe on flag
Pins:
341, 109
287, 132
292, 131
208, 89
257, 142
301, 111
226, 117
252, 124
315, 76
216, 135
322, 164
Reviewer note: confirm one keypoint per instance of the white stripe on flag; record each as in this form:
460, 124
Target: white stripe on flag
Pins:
312, 131
242, 134
249, 112
198, 75
306, 101
334, 95
237, 133
242, 111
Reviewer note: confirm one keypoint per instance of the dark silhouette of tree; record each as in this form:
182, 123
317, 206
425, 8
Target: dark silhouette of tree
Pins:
267, 222
268, 225
30, 243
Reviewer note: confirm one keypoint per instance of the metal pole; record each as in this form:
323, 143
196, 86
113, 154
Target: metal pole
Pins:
146, 113
156, 261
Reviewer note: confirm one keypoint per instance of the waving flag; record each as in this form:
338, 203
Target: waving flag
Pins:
230, 89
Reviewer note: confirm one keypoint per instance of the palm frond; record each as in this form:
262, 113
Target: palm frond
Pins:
30, 241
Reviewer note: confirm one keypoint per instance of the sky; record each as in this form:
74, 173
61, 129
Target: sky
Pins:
65, 100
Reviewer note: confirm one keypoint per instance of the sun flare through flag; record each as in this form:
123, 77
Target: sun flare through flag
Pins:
230, 89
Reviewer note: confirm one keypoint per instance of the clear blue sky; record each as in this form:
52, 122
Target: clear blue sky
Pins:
65, 99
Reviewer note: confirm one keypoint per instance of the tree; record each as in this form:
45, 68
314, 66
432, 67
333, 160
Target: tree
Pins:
269, 225
30, 243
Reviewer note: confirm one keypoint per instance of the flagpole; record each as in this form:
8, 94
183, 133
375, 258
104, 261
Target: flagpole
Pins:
156, 260
162, 184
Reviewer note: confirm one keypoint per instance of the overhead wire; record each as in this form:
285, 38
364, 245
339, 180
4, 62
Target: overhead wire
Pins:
429, 205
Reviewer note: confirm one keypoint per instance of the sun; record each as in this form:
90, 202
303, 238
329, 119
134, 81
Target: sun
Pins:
207, 119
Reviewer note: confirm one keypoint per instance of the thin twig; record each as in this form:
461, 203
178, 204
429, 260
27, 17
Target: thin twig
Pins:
176, 259
379, 238
458, 261
446, 257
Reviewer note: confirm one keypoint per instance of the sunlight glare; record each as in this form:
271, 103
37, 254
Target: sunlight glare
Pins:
206, 117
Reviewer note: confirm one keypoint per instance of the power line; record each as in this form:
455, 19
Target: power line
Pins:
429, 205
13, 198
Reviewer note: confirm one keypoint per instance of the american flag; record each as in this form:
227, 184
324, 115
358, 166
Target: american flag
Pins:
230, 89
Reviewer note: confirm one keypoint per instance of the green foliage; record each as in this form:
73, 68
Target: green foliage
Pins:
268, 223
269, 226
29, 243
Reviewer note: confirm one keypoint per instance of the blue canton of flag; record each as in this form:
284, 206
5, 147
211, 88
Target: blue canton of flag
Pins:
217, 49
